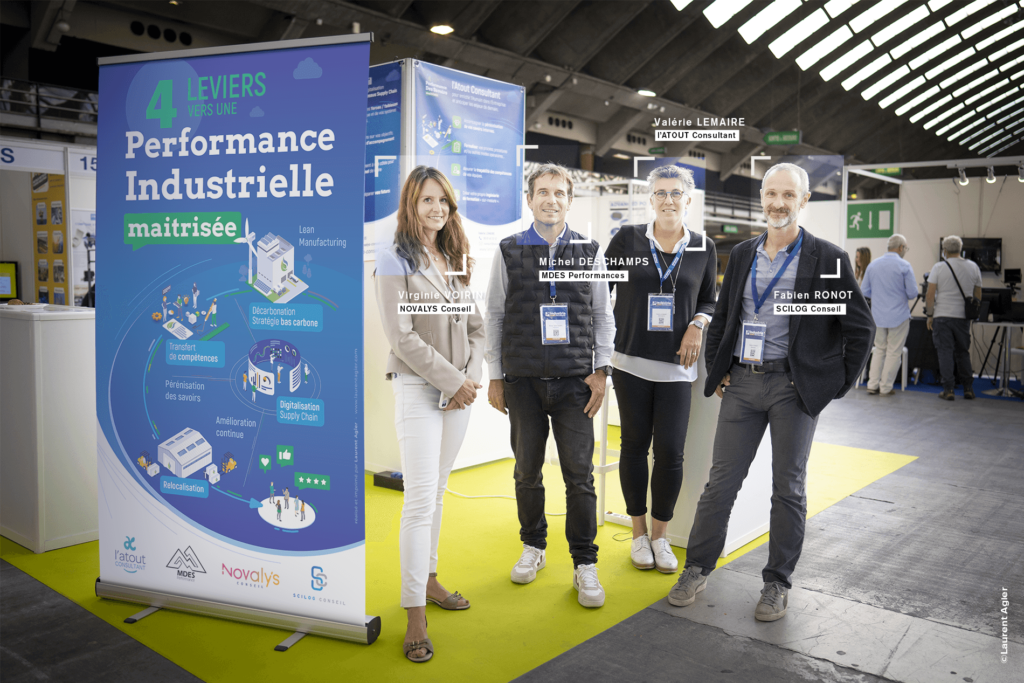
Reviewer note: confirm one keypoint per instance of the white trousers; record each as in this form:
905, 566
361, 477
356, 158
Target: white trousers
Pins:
887, 355
429, 439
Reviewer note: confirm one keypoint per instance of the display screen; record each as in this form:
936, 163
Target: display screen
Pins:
8, 280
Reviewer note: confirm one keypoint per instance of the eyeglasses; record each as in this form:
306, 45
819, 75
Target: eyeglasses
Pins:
675, 194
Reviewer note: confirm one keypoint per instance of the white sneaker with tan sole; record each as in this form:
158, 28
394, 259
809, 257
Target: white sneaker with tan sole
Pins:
640, 554
530, 562
664, 559
584, 580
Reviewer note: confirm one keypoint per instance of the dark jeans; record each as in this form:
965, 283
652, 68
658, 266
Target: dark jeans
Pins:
952, 339
753, 402
531, 402
651, 409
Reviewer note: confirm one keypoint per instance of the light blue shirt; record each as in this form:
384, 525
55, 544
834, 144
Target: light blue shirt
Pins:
889, 283
776, 338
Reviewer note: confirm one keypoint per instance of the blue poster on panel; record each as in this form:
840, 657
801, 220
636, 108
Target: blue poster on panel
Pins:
382, 169
471, 127
229, 327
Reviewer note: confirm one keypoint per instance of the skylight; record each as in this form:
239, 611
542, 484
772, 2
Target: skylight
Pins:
913, 41
963, 73
949, 126
837, 7
985, 139
1007, 106
948, 64
961, 14
722, 11
997, 100
930, 92
847, 60
996, 143
825, 47
680, 4
986, 91
945, 115
936, 5
899, 26
873, 14
867, 71
902, 92
973, 135
930, 108
999, 36
984, 23
767, 18
1012, 114
799, 33
942, 48
885, 82
1013, 47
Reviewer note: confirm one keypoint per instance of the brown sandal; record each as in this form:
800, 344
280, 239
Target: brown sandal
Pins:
424, 644
451, 602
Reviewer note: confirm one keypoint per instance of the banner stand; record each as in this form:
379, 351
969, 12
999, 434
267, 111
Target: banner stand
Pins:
365, 634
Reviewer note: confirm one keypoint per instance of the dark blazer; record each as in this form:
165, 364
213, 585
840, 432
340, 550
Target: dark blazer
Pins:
826, 352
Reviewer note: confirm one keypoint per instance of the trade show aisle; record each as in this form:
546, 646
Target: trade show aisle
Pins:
509, 630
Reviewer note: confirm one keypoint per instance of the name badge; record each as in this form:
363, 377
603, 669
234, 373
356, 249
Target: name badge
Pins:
554, 324
752, 350
660, 312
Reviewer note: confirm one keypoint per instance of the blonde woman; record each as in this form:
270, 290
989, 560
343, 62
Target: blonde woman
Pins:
435, 368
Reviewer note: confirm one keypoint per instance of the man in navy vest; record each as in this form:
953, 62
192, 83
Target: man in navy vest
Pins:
778, 369
549, 344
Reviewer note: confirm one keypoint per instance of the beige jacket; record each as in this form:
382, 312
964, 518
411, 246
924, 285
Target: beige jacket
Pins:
443, 349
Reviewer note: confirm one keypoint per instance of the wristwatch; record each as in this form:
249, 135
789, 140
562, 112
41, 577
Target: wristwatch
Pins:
607, 369
699, 324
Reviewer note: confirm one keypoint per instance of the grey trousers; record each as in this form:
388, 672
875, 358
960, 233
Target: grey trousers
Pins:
751, 403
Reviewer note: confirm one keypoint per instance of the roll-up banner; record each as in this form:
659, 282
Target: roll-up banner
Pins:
229, 333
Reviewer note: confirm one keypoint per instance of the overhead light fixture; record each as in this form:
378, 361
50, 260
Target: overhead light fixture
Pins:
873, 14
176, 3
963, 175
767, 18
62, 26
1020, 172
846, 61
646, 93
441, 29
991, 177
652, 105
624, 157
799, 33
680, 4
722, 11
825, 47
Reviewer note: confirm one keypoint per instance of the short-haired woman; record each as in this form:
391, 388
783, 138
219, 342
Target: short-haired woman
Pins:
660, 316
435, 368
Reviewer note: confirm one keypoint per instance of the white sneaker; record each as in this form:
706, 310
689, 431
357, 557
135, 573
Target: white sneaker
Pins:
584, 580
641, 555
664, 559
531, 562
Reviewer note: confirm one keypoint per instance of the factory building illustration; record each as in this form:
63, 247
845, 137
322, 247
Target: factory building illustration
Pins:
185, 452
275, 262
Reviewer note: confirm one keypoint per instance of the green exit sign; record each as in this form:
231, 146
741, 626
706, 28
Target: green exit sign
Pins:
888, 171
656, 150
783, 137
731, 229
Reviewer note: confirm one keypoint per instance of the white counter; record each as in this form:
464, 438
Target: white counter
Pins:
48, 426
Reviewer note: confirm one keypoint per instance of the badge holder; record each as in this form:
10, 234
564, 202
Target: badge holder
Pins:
752, 350
660, 312
554, 324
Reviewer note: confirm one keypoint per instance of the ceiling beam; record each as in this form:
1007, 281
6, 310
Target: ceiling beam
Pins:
294, 29
467, 22
653, 30
740, 155
609, 132
44, 18
551, 22
545, 103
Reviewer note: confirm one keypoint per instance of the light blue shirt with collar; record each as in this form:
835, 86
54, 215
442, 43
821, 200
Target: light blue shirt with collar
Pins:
889, 283
776, 338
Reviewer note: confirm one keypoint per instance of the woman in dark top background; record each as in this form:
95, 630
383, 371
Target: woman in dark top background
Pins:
660, 315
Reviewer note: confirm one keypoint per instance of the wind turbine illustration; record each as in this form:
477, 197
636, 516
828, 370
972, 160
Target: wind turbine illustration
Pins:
248, 240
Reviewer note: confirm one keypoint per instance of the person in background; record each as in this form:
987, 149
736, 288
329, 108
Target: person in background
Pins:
861, 260
950, 281
660, 315
435, 367
889, 283
549, 348
773, 370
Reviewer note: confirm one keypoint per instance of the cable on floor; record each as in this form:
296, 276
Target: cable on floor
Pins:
463, 495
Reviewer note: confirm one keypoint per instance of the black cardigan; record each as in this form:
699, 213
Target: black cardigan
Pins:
826, 352
695, 292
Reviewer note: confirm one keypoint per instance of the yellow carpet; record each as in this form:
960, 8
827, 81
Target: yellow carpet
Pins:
509, 630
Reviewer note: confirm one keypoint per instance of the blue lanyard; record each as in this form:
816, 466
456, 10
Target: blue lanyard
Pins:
551, 261
657, 263
759, 300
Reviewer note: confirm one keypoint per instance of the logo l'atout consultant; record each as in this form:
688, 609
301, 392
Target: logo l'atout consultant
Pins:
131, 562
186, 563
251, 578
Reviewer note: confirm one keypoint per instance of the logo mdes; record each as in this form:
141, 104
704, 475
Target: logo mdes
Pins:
319, 578
251, 578
130, 562
186, 563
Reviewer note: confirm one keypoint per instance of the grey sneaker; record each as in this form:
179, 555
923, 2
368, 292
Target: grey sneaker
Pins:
689, 584
531, 562
773, 602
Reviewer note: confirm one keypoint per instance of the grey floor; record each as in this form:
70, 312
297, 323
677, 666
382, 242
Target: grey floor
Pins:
898, 582
909, 570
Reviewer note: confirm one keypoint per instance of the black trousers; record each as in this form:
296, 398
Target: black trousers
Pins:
535, 406
651, 409
952, 339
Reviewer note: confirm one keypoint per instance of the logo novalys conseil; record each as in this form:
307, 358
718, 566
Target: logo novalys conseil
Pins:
186, 563
251, 578
130, 562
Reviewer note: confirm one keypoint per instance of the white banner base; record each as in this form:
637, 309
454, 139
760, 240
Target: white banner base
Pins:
365, 634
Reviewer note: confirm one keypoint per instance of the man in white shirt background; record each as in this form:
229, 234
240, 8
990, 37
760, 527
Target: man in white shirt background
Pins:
947, 319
